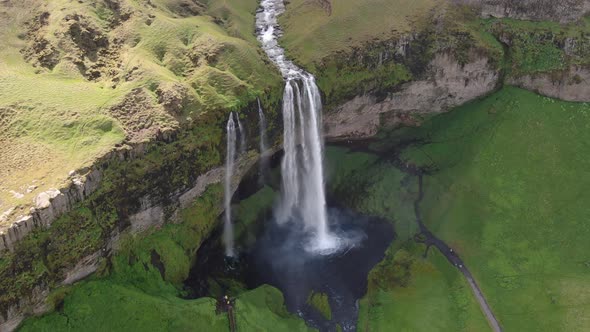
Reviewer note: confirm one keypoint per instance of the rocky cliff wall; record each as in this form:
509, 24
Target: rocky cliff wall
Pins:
153, 212
572, 84
51, 204
446, 84
537, 10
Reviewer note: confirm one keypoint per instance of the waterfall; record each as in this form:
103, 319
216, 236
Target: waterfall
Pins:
263, 158
228, 233
303, 194
242, 135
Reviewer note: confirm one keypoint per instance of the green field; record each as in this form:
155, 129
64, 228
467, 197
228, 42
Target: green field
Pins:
102, 305
408, 292
510, 195
405, 291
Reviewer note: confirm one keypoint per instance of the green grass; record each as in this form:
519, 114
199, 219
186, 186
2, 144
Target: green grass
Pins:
507, 192
312, 33
249, 211
363, 182
102, 305
412, 293
55, 120
321, 303
539, 47
510, 196
238, 16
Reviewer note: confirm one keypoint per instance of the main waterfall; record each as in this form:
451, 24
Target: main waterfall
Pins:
263, 164
228, 232
303, 191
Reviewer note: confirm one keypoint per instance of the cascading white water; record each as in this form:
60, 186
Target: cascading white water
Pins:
263, 158
262, 125
228, 233
242, 135
302, 166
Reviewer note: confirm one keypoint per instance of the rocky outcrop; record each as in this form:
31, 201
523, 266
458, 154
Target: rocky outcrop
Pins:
537, 10
572, 84
51, 204
150, 214
446, 84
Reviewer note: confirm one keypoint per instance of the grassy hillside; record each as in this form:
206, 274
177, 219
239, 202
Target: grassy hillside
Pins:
315, 29
413, 293
79, 77
100, 305
509, 194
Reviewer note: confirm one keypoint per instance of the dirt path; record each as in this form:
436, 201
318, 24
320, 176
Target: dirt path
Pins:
430, 239
232, 319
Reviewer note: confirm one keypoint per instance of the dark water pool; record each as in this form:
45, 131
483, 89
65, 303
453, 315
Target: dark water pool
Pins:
278, 258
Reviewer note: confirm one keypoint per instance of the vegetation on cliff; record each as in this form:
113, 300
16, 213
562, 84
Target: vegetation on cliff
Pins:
140, 287
537, 47
354, 61
320, 302
378, 57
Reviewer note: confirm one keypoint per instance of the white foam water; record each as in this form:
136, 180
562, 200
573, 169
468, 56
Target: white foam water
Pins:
263, 165
242, 135
303, 192
228, 232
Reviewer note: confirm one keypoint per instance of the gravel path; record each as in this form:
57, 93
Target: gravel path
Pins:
431, 240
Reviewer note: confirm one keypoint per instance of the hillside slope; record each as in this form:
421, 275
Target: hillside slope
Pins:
81, 78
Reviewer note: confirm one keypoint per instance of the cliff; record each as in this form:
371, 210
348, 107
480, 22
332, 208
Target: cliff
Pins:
455, 58
444, 85
537, 10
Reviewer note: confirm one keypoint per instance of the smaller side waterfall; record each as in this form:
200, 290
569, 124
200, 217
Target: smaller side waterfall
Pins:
242, 135
228, 232
263, 159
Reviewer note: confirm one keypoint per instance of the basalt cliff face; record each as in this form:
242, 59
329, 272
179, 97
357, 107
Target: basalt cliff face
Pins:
146, 214
460, 66
537, 10
444, 85
572, 84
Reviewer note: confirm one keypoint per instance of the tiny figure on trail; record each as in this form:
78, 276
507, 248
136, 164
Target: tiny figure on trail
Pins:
224, 304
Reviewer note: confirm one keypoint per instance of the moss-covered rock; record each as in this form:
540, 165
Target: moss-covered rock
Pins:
320, 302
